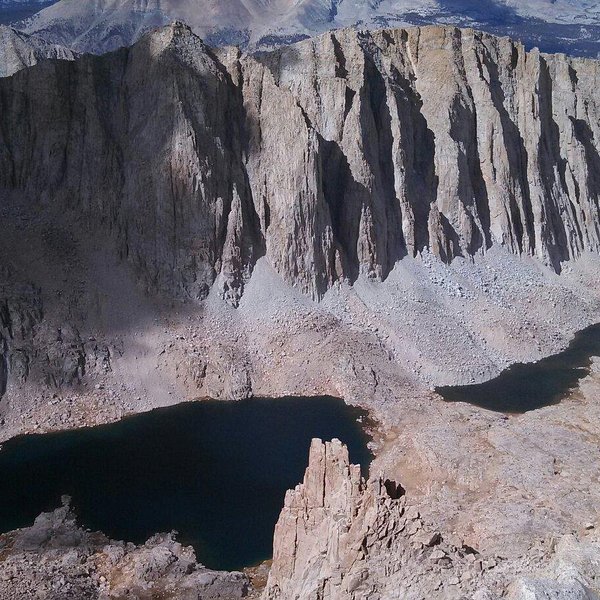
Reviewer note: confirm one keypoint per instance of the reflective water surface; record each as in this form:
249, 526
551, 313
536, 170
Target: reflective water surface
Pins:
216, 472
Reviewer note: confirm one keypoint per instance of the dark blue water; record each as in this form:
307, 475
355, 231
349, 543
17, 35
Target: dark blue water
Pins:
216, 472
525, 387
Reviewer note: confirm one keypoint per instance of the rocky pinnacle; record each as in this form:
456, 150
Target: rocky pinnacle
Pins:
340, 537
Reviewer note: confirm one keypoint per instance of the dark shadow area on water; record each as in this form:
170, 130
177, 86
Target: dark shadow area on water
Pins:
216, 472
525, 387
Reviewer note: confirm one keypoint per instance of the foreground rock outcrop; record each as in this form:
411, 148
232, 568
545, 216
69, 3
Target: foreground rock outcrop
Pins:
340, 537
330, 527
55, 559
572, 572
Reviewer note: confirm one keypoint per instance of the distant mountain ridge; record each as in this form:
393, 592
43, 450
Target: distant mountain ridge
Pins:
19, 50
9, 3
570, 26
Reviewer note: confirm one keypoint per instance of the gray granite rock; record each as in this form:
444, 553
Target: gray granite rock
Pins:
335, 156
19, 50
55, 559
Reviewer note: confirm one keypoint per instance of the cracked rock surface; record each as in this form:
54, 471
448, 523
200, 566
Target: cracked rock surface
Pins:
333, 157
55, 559
364, 215
340, 537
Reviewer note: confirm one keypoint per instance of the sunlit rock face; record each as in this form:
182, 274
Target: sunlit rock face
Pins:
19, 50
331, 526
341, 537
333, 157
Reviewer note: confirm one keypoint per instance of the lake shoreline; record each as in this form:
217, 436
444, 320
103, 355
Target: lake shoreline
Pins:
529, 386
200, 469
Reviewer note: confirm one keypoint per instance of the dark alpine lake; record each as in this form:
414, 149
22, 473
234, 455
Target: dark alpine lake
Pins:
525, 387
216, 472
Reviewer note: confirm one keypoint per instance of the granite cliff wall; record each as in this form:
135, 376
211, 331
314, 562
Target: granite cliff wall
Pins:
334, 157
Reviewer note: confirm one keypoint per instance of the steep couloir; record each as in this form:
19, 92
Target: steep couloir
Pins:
333, 157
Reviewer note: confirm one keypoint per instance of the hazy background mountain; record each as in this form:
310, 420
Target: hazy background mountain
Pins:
12, 11
572, 26
19, 50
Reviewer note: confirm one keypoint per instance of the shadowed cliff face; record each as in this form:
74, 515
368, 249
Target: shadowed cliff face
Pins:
334, 157
146, 144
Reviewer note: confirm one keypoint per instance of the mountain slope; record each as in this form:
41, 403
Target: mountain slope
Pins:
567, 25
109, 24
333, 157
558, 11
19, 50
13, 12
259, 182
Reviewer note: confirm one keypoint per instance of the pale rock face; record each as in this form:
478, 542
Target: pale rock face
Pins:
334, 157
572, 574
19, 50
329, 525
340, 537
449, 139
